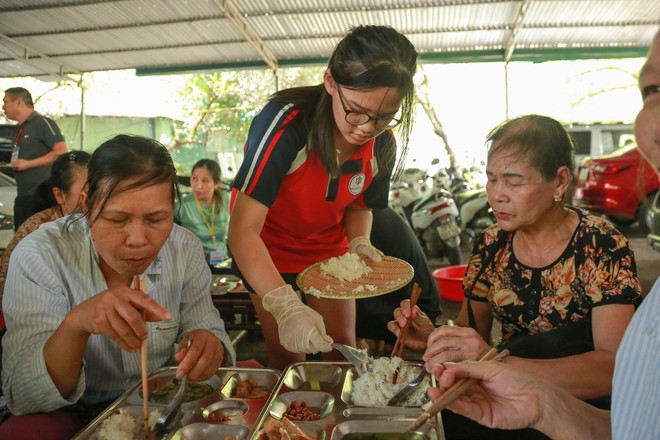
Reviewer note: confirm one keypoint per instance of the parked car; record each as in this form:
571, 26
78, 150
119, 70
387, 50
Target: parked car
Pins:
6, 142
7, 196
596, 139
612, 185
654, 223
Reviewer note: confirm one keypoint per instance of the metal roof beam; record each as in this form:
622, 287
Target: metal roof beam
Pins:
24, 54
234, 16
515, 28
117, 27
143, 48
52, 5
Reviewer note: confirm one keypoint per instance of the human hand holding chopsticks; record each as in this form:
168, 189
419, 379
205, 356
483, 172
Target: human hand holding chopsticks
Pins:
420, 326
503, 397
117, 314
506, 398
457, 389
402, 335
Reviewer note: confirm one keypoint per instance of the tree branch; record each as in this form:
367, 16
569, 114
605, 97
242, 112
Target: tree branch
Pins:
422, 95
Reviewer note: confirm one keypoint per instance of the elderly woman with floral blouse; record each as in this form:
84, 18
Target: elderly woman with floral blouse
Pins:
543, 267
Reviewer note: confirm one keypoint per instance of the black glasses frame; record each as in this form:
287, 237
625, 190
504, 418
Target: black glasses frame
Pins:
359, 118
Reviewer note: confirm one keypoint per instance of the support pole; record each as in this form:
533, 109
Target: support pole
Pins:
83, 127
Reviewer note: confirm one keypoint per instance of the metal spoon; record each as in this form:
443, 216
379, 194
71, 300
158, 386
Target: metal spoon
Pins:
173, 409
359, 358
407, 389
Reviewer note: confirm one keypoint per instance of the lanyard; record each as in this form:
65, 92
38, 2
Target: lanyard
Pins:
18, 135
211, 226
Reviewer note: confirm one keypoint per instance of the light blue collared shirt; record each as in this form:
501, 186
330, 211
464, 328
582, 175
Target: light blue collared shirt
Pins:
53, 270
636, 382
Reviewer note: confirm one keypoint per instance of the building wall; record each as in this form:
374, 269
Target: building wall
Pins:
98, 129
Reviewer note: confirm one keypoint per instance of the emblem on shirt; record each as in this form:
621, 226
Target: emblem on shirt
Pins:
356, 184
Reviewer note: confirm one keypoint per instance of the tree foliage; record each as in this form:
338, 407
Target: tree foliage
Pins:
227, 101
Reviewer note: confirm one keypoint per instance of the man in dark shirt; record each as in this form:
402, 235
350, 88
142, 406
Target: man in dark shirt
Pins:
37, 143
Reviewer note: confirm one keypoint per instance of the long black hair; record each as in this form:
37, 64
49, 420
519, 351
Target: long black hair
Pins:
367, 57
62, 177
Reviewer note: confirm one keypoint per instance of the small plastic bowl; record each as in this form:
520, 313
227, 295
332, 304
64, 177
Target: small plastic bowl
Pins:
450, 282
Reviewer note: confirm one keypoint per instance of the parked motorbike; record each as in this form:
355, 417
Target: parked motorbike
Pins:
435, 222
410, 190
474, 211
447, 179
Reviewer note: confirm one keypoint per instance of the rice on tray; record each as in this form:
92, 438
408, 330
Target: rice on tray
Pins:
125, 427
347, 267
375, 388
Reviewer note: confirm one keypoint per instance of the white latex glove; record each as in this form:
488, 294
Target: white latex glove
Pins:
300, 328
362, 246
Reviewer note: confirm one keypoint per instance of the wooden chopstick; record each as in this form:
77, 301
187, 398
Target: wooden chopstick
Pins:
455, 391
400, 344
139, 284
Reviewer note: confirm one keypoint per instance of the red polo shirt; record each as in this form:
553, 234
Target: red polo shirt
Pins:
306, 206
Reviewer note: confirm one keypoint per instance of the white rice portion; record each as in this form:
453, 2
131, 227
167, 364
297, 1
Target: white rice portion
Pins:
313, 291
347, 267
375, 388
125, 427
365, 288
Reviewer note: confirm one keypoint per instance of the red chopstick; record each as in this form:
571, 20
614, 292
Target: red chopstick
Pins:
400, 343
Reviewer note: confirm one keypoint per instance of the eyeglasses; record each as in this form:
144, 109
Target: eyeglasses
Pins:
358, 118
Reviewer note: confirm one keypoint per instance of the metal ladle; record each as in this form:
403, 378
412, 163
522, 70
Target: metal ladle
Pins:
359, 358
173, 409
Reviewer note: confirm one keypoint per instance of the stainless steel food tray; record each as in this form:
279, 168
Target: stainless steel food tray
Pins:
195, 423
332, 384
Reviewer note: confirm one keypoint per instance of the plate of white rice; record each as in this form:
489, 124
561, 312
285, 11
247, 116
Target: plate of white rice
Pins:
126, 424
375, 388
350, 276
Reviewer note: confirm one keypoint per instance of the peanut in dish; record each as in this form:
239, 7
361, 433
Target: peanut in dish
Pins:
301, 412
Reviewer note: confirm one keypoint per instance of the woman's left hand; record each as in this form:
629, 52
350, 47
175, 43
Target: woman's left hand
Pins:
202, 359
454, 344
362, 246
420, 327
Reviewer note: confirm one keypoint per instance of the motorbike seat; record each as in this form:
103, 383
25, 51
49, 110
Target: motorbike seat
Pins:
469, 195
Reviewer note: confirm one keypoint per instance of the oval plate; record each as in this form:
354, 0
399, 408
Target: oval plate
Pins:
388, 275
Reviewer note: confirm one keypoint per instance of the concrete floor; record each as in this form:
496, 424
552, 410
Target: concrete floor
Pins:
648, 271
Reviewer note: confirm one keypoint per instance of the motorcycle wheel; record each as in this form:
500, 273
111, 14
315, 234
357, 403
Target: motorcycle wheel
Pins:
454, 255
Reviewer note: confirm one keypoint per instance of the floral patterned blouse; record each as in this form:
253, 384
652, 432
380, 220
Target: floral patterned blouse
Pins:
596, 268
30, 225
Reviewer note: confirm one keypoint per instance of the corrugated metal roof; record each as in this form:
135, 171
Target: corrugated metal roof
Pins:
48, 38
